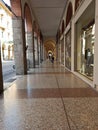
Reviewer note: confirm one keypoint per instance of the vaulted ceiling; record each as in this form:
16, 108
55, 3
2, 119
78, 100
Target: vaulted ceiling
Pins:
49, 45
48, 13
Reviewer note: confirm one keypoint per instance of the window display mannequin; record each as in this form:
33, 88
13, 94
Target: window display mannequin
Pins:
89, 61
87, 56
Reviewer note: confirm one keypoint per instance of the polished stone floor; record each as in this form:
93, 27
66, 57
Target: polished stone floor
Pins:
49, 98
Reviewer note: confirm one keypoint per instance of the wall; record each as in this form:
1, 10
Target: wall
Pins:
96, 47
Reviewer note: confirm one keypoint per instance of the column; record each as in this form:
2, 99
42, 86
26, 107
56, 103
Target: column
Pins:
42, 47
1, 77
60, 52
37, 51
40, 52
19, 46
29, 53
64, 50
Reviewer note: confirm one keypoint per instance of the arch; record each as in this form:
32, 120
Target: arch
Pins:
36, 28
77, 3
50, 46
62, 26
69, 13
16, 7
29, 44
28, 18
50, 41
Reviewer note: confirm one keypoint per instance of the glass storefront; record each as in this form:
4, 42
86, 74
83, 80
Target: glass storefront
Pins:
68, 50
62, 51
85, 39
87, 52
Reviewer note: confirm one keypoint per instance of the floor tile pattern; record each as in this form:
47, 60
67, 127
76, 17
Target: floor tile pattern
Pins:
49, 98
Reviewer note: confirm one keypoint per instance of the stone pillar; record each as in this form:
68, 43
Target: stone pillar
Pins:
96, 46
41, 52
33, 49
30, 50
56, 51
64, 50
38, 51
1, 77
19, 46
60, 52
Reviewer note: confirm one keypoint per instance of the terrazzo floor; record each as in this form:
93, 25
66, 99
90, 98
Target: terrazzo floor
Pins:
49, 98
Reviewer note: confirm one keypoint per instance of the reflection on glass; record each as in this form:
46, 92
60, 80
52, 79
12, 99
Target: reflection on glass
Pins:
68, 50
84, 42
87, 51
62, 51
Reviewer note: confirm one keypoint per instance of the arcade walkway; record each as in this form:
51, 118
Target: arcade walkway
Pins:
49, 98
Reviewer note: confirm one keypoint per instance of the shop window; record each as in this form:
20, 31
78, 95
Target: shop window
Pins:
62, 51
85, 39
68, 50
85, 51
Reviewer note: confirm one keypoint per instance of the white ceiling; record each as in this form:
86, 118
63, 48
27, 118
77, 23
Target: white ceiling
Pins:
48, 13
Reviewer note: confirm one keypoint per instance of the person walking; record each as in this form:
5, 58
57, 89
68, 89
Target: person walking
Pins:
52, 60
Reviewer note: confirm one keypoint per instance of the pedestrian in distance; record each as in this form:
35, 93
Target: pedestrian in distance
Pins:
52, 60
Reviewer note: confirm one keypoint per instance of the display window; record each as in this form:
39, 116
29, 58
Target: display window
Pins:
87, 51
62, 51
85, 40
68, 50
